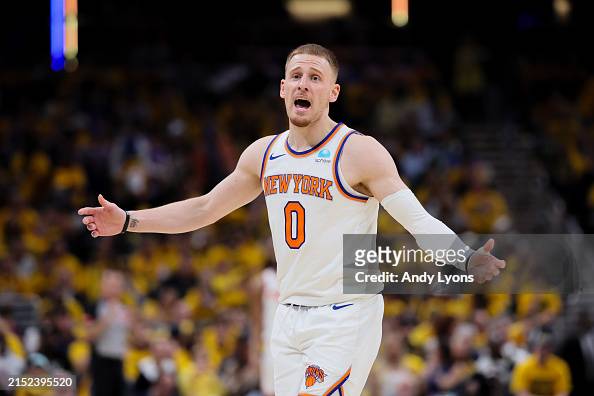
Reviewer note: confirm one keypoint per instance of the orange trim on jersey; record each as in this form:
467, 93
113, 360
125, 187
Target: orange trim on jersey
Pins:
338, 384
340, 392
337, 183
322, 143
265, 158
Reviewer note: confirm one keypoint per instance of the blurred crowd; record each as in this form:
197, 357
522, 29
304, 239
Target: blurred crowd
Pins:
567, 147
173, 315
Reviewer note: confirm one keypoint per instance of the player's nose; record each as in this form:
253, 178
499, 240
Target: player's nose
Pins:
302, 84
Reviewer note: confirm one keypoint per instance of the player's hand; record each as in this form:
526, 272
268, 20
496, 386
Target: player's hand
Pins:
483, 265
105, 220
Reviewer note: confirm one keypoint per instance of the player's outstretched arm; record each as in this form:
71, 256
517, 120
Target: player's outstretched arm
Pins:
239, 188
369, 167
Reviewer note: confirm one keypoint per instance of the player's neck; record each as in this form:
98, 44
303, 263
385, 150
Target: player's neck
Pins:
302, 138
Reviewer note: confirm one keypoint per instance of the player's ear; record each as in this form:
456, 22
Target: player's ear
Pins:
334, 93
282, 88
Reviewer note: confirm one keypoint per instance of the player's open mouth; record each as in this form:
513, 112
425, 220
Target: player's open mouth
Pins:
302, 104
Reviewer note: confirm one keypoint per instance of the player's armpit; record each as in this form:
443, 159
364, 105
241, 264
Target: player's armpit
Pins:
369, 168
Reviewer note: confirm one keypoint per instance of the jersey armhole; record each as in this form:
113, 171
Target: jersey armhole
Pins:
345, 189
265, 157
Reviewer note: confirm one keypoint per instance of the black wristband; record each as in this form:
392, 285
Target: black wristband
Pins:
468, 260
125, 227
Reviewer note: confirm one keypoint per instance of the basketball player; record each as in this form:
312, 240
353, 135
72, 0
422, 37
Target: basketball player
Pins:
264, 294
321, 180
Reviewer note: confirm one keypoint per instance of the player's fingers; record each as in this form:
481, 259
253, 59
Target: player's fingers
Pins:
91, 226
87, 211
495, 272
488, 246
88, 220
94, 234
500, 263
102, 201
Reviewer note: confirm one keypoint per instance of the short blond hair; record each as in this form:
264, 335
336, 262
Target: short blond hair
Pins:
316, 50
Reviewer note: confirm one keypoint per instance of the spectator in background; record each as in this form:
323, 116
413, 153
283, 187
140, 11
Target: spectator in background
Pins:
542, 373
201, 374
56, 336
183, 278
484, 208
397, 374
492, 364
109, 332
416, 160
470, 79
12, 361
456, 372
578, 351
39, 366
79, 356
159, 370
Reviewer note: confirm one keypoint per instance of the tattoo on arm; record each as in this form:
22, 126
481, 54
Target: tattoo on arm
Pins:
133, 223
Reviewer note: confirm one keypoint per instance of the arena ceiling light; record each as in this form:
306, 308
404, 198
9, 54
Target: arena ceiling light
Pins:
318, 10
400, 12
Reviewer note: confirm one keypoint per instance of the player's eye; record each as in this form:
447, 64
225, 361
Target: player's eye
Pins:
315, 78
296, 76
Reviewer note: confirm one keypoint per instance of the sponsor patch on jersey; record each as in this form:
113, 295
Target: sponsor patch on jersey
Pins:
313, 374
324, 153
323, 156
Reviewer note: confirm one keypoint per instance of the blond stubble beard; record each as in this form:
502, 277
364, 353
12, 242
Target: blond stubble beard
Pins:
301, 123
304, 122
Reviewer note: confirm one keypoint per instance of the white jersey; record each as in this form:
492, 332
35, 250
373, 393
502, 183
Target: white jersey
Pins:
310, 207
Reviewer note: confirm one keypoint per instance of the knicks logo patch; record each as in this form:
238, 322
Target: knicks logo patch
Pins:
313, 374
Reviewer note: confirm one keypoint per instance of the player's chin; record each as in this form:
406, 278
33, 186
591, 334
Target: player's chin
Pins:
300, 121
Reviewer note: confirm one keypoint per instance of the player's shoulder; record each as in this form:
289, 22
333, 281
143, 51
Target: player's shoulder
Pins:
251, 157
359, 147
364, 156
261, 144
359, 143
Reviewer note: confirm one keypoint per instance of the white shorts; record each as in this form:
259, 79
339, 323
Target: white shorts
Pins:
326, 350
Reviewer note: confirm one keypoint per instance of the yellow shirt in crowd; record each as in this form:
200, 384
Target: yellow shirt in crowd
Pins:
550, 378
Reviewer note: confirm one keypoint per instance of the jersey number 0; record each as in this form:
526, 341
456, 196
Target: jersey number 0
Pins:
294, 224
